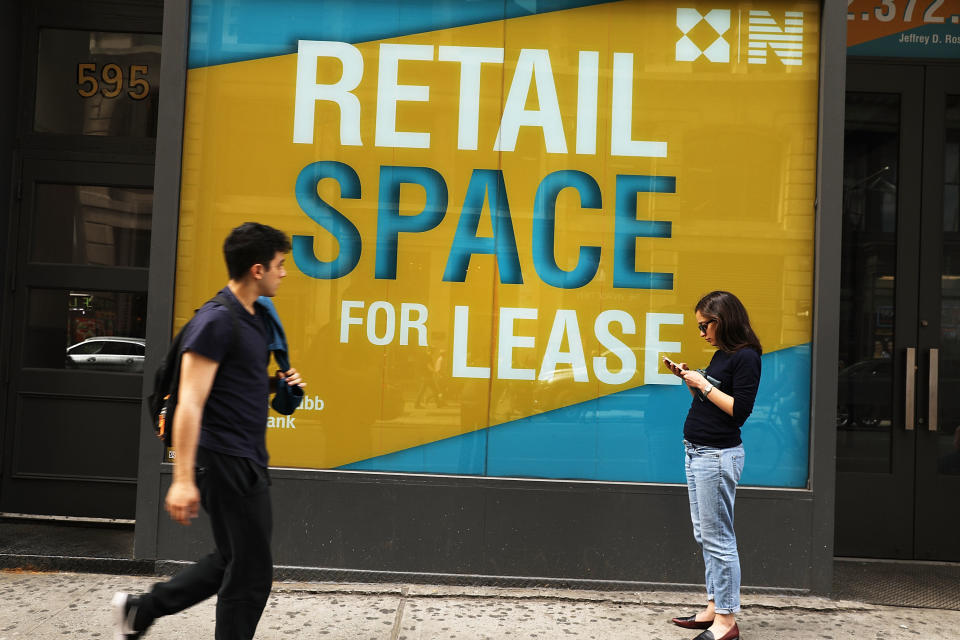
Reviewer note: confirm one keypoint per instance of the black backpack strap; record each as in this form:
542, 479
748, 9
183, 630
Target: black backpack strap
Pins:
176, 355
224, 299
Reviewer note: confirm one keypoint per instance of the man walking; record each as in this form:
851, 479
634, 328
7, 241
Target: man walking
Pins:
219, 435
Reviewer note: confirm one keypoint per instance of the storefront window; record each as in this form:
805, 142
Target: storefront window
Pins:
86, 330
502, 217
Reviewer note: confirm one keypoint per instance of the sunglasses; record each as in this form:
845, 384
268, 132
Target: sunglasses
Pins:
702, 326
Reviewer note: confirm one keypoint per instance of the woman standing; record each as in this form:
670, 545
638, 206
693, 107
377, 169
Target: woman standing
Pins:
722, 399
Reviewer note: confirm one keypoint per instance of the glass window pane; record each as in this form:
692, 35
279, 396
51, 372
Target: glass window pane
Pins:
951, 167
97, 83
92, 225
91, 330
949, 459
867, 281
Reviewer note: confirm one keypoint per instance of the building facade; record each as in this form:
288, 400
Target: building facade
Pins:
502, 216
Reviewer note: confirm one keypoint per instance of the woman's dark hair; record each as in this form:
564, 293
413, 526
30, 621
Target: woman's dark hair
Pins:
733, 323
252, 243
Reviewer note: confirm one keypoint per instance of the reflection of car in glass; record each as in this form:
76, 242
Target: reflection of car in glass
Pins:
863, 394
546, 394
108, 353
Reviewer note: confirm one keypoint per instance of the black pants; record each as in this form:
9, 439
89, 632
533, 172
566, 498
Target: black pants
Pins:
235, 493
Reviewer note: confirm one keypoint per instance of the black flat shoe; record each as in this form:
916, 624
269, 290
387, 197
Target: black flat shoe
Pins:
732, 634
691, 622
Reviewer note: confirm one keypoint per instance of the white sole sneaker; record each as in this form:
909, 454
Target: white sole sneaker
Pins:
122, 628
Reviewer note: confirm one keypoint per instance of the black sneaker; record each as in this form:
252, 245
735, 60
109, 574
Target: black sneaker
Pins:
124, 614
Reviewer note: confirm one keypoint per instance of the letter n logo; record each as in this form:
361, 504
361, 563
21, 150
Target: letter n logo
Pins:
786, 41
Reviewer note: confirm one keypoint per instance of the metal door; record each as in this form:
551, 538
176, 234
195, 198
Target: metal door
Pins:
80, 274
900, 314
77, 251
938, 339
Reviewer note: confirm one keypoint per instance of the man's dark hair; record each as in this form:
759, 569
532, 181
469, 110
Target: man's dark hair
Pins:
733, 324
252, 243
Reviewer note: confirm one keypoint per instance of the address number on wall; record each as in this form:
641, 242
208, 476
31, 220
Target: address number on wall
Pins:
110, 80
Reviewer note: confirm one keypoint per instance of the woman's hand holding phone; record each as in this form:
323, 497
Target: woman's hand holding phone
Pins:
677, 369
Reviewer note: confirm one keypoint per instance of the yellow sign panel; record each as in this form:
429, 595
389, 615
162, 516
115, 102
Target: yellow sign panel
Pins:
501, 225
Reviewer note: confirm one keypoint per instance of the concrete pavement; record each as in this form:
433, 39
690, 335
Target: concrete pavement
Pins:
44, 606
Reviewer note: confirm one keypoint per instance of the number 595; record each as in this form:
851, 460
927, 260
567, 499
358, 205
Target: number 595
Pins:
109, 82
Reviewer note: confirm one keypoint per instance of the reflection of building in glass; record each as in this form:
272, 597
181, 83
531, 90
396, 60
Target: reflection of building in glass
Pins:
113, 225
104, 226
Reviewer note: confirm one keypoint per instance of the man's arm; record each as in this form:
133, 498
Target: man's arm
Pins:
291, 377
196, 379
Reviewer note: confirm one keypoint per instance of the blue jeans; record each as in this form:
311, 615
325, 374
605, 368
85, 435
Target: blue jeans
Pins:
712, 477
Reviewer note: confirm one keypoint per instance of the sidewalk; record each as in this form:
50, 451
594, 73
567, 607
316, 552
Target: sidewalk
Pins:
44, 606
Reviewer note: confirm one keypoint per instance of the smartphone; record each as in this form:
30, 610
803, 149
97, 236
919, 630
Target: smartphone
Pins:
670, 363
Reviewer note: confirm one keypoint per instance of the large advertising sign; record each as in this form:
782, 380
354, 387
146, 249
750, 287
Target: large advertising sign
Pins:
502, 215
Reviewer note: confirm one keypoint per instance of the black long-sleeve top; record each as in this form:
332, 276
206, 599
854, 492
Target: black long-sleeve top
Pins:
739, 376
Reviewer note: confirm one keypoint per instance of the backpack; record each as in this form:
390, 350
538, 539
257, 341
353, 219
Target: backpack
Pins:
166, 381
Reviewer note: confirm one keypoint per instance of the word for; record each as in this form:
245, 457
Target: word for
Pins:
389, 313
486, 186
533, 69
109, 82
381, 329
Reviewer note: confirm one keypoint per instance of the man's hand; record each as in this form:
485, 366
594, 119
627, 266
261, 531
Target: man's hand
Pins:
291, 377
183, 502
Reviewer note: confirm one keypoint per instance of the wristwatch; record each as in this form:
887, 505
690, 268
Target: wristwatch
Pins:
707, 389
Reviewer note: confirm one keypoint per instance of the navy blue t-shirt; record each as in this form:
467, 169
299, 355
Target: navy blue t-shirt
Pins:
235, 416
739, 376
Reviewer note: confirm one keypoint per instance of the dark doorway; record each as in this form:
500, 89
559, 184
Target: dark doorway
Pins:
898, 415
78, 252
